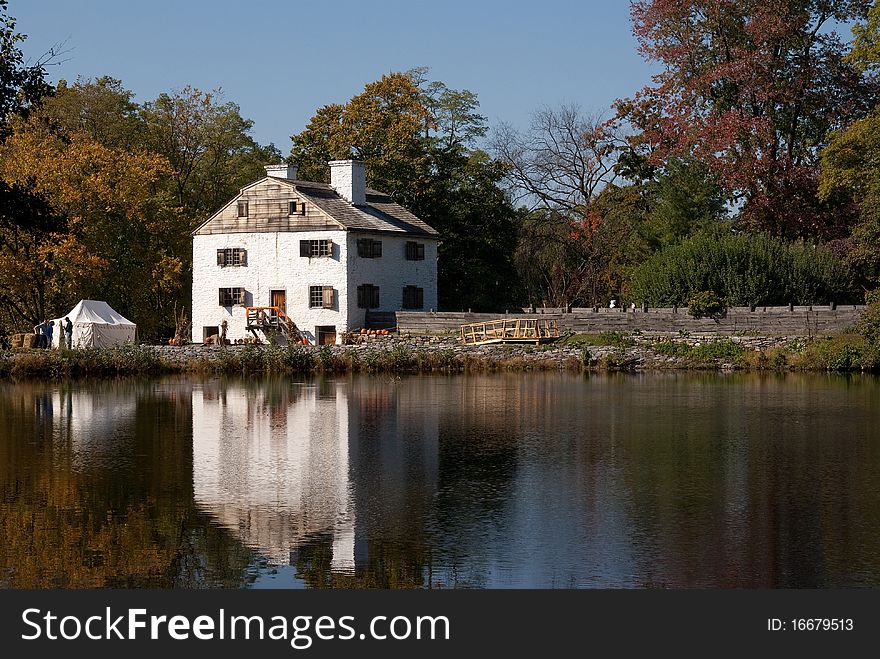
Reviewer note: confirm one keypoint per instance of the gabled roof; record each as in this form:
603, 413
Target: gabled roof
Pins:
380, 213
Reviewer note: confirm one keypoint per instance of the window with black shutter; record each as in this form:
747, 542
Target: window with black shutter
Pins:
415, 251
368, 296
369, 248
413, 297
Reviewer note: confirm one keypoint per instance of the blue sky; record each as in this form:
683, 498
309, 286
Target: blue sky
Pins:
282, 60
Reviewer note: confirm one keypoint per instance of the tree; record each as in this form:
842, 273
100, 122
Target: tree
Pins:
418, 142
24, 216
98, 229
560, 167
102, 109
479, 230
751, 89
851, 165
382, 126
865, 54
21, 86
319, 143
684, 199
208, 145
562, 162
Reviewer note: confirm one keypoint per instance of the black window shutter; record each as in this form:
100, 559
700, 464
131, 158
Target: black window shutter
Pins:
244, 257
361, 295
375, 301
222, 298
377, 249
221, 257
305, 248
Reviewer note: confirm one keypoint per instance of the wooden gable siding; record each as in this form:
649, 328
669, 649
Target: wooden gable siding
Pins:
268, 206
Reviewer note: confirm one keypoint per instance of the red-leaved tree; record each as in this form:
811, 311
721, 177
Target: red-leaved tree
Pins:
751, 88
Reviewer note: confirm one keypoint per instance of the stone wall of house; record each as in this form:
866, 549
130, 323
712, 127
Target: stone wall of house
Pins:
274, 263
769, 321
390, 273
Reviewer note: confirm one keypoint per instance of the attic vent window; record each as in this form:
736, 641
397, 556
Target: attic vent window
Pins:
242, 209
369, 248
297, 208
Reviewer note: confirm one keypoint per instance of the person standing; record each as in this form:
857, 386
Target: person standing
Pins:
50, 326
40, 331
68, 332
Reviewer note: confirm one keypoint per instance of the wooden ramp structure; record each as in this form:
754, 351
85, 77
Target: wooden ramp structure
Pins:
510, 330
272, 321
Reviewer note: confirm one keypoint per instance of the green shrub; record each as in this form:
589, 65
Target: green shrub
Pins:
721, 349
778, 361
709, 351
705, 303
298, 359
869, 324
845, 352
742, 270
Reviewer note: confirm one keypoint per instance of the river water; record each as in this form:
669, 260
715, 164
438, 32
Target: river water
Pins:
512, 480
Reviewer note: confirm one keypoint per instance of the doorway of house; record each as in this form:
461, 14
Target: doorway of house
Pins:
326, 335
279, 299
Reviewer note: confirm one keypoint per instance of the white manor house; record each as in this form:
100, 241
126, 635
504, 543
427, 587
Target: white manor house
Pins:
322, 255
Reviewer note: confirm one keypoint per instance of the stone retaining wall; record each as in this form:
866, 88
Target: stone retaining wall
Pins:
768, 321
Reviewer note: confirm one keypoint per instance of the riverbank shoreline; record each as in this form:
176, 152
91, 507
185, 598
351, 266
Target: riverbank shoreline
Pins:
610, 351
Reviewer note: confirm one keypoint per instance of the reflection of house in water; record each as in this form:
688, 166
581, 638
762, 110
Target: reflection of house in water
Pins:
271, 464
288, 466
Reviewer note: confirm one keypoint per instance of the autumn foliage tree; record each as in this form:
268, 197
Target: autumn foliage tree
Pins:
851, 165
101, 224
417, 139
751, 89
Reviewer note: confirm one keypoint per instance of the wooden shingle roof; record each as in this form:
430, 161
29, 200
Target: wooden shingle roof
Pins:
380, 213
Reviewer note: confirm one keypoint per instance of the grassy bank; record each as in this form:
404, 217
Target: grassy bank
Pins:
89, 362
604, 352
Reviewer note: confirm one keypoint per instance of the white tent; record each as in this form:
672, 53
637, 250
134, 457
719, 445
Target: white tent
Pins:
95, 324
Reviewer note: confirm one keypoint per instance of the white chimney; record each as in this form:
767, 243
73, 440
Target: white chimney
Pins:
281, 171
349, 179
